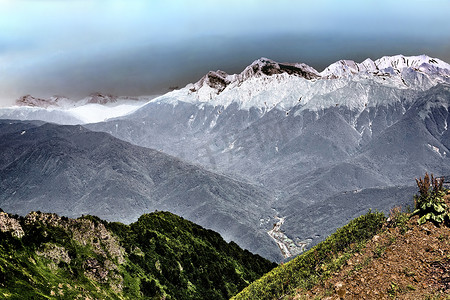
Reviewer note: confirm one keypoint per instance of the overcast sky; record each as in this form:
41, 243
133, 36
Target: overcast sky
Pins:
144, 47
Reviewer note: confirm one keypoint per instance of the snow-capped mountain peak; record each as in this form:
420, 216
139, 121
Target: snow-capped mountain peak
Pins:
266, 84
263, 67
387, 64
268, 67
64, 102
400, 62
54, 101
217, 80
344, 68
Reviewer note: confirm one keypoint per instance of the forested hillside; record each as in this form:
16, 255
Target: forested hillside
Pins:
160, 256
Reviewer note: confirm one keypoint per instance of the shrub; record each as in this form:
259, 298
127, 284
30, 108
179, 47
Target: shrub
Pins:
149, 288
398, 218
429, 203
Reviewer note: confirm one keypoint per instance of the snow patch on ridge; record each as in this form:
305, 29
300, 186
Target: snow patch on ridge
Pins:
437, 150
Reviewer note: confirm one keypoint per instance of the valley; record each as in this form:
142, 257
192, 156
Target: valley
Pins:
229, 149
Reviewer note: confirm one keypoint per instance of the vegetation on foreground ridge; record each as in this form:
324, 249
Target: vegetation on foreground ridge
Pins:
318, 263
161, 256
429, 203
406, 256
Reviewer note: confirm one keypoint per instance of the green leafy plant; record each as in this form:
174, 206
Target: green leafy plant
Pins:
429, 203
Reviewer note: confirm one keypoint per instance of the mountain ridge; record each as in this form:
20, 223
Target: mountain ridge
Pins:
64, 102
161, 255
71, 170
295, 84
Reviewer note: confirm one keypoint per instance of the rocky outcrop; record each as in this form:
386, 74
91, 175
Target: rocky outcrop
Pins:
55, 253
12, 225
99, 98
84, 231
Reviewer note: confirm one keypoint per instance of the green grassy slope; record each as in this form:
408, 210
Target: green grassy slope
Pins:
318, 263
44, 256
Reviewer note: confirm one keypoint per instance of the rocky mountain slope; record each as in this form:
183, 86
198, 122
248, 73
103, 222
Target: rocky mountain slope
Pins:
161, 256
312, 138
73, 171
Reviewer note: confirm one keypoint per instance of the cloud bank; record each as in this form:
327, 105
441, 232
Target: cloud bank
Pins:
138, 47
